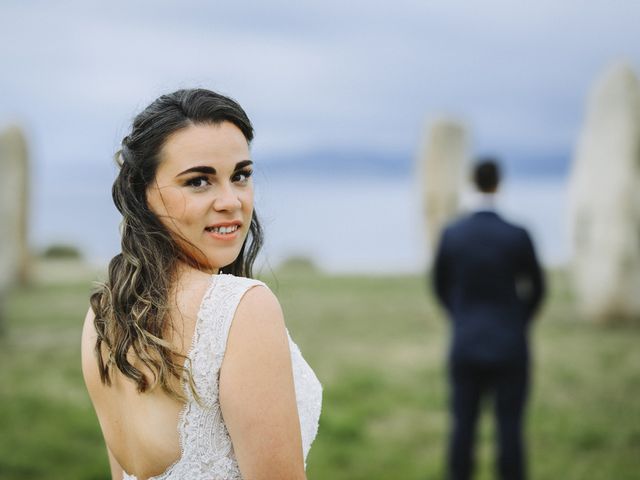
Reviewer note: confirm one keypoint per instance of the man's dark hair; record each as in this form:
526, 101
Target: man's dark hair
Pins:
486, 174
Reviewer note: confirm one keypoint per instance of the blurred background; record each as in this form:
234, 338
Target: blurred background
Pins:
343, 96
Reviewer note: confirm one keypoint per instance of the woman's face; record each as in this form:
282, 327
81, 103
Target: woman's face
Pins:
203, 192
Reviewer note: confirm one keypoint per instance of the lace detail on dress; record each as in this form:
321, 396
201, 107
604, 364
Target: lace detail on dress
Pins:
207, 452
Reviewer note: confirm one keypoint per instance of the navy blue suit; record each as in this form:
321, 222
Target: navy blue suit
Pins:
487, 276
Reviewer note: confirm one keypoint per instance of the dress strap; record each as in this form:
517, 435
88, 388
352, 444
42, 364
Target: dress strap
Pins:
222, 305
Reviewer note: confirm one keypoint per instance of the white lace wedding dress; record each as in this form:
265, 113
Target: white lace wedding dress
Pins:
207, 452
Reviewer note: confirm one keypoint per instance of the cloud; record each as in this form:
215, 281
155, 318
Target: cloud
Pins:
311, 75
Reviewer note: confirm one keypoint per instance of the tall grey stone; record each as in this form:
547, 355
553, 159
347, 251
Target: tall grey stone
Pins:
605, 200
13, 210
444, 164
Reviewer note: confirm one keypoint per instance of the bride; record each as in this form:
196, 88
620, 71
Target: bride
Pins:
187, 360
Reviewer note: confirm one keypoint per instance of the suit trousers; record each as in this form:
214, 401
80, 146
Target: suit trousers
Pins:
471, 383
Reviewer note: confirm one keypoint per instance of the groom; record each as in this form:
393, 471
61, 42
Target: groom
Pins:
488, 278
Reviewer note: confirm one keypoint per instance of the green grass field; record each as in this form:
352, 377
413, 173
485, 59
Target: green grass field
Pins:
378, 346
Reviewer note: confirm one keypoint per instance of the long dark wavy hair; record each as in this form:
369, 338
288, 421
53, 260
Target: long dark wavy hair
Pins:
131, 307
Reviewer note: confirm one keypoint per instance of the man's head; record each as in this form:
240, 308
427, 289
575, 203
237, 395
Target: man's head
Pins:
486, 175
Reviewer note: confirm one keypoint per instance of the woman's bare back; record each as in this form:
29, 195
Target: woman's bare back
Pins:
141, 430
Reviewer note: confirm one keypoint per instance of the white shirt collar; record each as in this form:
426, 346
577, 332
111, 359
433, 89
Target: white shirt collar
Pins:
485, 202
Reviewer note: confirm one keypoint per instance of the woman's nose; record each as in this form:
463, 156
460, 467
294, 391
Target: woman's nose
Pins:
226, 199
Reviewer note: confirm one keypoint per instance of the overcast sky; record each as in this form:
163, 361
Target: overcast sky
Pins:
358, 75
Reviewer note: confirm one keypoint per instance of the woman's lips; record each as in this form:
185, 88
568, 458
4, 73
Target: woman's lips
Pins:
223, 236
224, 232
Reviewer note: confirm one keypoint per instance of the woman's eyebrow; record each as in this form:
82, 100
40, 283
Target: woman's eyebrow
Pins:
242, 164
199, 169
212, 171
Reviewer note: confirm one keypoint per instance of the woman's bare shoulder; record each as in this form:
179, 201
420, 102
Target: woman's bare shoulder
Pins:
88, 329
87, 347
258, 333
259, 308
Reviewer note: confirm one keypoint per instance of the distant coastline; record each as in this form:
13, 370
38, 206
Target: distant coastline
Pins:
402, 164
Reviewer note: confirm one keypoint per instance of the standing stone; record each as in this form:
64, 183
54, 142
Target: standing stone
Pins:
444, 162
605, 201
13, 211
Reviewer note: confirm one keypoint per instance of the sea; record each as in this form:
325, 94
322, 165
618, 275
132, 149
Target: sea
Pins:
353, 224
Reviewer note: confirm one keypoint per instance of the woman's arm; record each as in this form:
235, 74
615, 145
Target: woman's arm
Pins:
257, 394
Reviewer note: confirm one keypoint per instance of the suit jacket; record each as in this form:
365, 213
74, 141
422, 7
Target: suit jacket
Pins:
488, 278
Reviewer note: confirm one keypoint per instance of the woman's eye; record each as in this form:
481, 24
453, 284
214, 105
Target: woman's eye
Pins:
242, 177
198, 182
